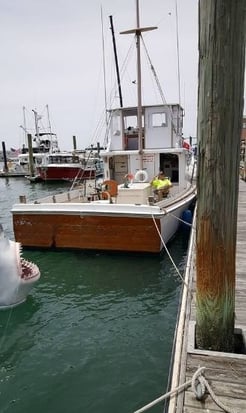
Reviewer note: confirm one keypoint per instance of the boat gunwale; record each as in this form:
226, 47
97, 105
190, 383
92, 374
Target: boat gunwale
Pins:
158, 210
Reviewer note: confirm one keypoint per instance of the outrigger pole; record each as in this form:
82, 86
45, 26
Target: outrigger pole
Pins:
116, 61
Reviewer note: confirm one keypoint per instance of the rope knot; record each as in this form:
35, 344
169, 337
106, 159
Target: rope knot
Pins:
198, 384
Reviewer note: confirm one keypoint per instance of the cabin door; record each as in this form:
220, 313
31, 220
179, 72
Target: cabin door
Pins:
120, 168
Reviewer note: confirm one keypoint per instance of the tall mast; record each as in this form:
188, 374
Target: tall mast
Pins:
116, 61
104, 71
48, 116
36, 117
24, 120
139, 83
137, 31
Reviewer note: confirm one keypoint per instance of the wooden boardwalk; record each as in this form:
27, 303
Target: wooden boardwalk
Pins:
225, 372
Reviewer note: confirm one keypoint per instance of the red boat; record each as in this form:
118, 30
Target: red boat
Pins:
65, 166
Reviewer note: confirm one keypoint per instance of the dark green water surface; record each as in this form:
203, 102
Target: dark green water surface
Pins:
95, 334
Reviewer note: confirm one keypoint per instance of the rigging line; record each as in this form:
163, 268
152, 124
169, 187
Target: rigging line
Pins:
159, 85
154, 73
98, 127
48, 118
169, 255
7, 325
77, 178
122, 73
104, 68
127, 58
177, 45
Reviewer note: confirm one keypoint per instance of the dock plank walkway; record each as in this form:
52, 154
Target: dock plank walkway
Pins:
225, 372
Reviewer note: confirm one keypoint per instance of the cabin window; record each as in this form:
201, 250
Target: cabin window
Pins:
159, 120
116, 125
131, 123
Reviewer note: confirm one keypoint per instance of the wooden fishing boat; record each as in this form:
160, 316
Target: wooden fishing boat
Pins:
123, 213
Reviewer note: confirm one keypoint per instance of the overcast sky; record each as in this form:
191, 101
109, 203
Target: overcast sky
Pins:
52, 53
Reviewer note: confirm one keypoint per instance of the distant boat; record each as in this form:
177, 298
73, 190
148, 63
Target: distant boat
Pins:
11, 165
44, 141
14, 169
18, 160
51, 164
68, 166
124, 213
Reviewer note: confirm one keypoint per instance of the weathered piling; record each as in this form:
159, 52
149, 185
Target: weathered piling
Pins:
220, 111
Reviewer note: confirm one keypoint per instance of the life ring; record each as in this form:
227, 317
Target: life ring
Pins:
141, 176
111, 188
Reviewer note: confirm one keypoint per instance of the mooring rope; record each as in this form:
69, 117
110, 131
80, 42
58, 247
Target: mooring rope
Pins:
199, 384
169, 255
6, 327
178, 219
200, 390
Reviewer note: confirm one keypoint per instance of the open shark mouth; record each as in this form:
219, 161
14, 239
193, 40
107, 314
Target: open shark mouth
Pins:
26, 269
29, 270
17, 275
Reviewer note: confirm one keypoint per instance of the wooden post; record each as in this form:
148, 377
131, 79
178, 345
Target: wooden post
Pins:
74, 143
5, 162
30, 153
220, 111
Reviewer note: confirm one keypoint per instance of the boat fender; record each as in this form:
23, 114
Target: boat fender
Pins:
141, 176
110, 187
187, 219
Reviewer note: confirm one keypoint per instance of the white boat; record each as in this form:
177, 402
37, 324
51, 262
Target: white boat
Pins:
123, 213
13, 169
44, 142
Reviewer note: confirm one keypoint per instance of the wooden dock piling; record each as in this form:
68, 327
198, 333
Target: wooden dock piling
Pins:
225, 372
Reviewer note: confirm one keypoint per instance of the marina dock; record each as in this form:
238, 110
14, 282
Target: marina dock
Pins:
224, 373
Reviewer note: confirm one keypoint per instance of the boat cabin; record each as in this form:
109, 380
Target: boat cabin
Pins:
161, 127
161, 147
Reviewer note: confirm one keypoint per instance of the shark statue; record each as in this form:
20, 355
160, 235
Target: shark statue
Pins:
17, 275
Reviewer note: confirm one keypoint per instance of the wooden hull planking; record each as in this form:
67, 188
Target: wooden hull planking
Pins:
96, 232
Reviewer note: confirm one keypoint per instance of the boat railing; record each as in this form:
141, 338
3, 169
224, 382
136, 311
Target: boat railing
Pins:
69, 196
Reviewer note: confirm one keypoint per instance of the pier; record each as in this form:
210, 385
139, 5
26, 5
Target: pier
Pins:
224, 373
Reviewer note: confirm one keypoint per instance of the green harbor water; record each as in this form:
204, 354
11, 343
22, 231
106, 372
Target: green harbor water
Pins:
95, 334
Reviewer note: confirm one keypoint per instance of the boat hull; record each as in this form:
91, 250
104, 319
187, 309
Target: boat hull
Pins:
96, 230
64, 173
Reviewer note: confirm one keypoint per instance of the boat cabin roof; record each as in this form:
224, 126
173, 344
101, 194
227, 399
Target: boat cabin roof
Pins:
132, 109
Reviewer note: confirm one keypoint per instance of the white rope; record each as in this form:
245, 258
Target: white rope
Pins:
6, 327
198, 384
169, 255
171, 393
200, 390
178, 219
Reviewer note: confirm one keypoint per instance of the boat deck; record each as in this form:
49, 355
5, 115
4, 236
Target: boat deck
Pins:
89, 194
225, 372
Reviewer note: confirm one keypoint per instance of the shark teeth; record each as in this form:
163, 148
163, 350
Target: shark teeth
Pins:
28, 269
